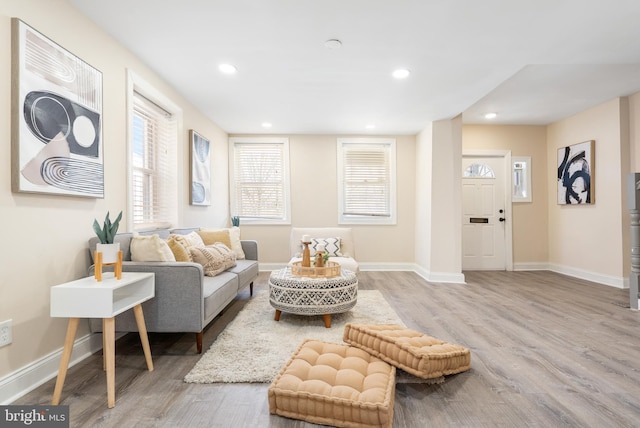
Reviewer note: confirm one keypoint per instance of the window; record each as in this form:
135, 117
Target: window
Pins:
259, 180
521, 179
152, 158
367, 180
478, 170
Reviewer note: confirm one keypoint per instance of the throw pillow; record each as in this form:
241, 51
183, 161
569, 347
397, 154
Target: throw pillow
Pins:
236, 245
178, 249
190, 240
150, 248
195, 239
211, 236
214, 258
331, 246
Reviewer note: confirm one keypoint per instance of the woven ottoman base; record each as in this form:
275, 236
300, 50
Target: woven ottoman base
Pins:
413, 352
331, 384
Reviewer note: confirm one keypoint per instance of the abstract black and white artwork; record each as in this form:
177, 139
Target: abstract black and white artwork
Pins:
57, 119
576, 174
200, 170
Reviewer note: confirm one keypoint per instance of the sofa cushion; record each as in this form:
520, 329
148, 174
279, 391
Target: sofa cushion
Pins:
246, 270
150, 248
213, 258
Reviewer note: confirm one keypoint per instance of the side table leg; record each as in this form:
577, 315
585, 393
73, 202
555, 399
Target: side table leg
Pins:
277, 317
110, 359
327, 320
72, 328
144, 338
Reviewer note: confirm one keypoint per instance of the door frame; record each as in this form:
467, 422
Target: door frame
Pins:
505, 155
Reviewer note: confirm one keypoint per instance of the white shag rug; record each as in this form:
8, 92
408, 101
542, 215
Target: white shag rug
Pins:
254, 347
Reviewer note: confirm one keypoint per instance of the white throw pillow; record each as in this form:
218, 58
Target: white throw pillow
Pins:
194, 239
236, 245
150, 248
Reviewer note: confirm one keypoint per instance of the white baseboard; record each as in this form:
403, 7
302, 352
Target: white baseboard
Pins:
531, 266
612, 281
29, 377
447, 277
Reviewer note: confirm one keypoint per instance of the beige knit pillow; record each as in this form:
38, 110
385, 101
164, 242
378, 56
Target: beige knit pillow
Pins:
214, 258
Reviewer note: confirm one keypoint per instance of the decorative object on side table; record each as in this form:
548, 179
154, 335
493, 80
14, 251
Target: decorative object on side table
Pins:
235, 221
107, 252
306, 253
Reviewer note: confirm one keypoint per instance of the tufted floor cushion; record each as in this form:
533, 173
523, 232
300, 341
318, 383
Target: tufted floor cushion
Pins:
331, 384
414, 352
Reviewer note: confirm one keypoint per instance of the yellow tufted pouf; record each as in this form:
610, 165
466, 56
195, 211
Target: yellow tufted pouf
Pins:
413, 352
331, 384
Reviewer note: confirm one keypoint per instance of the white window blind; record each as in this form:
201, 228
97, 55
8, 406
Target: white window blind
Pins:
260, 179
366, 169
153, 164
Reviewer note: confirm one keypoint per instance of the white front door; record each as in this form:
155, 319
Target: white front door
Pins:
483, 213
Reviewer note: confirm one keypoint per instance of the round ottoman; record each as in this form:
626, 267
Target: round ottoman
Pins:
312, 296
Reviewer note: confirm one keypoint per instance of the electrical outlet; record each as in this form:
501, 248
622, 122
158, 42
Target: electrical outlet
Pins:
5, 332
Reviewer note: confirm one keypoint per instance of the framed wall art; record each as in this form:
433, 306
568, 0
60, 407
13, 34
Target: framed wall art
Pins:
576, 174
56, 118
200, 169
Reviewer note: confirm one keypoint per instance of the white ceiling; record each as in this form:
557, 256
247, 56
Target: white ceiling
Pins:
531, 61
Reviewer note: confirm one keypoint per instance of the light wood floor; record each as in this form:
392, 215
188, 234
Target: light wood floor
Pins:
547, 351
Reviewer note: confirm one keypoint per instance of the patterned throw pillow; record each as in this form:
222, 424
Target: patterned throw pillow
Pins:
331, 246
214, 258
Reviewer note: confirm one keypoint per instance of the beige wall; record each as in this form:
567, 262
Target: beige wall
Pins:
589, 238
45, 236
529, 218
314, 203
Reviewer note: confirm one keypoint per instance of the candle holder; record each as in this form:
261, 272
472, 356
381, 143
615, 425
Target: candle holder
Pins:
306, 254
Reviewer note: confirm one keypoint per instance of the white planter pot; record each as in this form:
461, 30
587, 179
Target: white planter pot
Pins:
109, 252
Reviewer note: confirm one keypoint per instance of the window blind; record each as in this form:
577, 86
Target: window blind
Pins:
366, 180
259, 181
153, 160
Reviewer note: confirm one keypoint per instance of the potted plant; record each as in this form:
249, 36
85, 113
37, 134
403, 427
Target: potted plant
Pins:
235, 221
106, 234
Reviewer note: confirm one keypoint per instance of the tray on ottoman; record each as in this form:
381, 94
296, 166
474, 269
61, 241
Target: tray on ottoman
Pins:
331, 384
413, 352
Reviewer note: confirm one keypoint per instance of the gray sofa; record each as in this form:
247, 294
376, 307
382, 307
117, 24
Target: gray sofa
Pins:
186, 300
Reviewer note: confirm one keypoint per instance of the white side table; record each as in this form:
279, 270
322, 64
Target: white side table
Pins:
88, 298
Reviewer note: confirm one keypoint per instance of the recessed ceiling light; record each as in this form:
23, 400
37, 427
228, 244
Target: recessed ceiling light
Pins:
333, 44
490, 115
401, 73
266, 125
227, 68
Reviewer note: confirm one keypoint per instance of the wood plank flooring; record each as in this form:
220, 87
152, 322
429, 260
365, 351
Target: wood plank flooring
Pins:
547, 351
